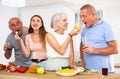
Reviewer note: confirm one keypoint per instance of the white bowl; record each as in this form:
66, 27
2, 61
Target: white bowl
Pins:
56, 63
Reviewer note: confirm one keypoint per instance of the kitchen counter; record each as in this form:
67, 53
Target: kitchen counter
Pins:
117, 65
53, 75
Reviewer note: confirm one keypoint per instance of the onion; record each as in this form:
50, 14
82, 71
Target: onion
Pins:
12, 68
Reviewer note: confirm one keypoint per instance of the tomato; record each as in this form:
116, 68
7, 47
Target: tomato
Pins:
18, 69
21, 69
2, 66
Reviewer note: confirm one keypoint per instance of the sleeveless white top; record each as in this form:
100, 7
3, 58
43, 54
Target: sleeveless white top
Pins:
60, 39
55, 60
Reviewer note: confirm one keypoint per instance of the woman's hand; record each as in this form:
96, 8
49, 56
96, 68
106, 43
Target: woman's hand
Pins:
75, 31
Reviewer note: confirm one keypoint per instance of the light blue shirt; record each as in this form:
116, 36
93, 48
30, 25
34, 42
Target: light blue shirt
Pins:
98, 36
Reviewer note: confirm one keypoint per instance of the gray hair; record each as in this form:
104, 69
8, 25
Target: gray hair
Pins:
57, 17
90, 9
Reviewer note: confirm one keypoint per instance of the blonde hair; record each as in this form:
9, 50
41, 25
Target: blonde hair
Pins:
57, 17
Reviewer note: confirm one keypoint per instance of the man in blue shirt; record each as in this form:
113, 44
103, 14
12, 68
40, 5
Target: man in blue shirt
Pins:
98, 41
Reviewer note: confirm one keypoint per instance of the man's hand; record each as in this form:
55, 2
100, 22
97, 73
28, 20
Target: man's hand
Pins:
17, 37
7, 47
89, 50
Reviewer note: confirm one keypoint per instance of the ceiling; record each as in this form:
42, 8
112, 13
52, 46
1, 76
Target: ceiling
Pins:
41, 2
72, 3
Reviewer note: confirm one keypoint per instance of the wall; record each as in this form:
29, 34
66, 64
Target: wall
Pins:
27, 13
5, 14
110, 14
45, 12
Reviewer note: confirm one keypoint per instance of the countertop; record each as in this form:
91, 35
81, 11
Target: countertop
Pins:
53, 75
117, 65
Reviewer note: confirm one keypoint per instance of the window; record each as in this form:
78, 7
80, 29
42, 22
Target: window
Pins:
99, 13
78, 20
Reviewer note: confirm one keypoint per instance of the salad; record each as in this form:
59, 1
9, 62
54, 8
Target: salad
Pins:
89, 71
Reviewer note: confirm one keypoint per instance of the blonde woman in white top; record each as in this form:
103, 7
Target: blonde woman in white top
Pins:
59, 45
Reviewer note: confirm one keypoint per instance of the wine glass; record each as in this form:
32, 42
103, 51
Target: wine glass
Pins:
84, 40
8, 47
34, 58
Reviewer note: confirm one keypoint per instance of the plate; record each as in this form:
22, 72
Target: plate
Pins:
89, 71
86, 73
77, 70
66, 74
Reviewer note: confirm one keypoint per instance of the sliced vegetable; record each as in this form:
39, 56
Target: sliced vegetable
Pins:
65, 67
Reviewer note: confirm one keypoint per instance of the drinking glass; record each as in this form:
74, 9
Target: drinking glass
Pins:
7, 45
34, 58
84, 40
105, 67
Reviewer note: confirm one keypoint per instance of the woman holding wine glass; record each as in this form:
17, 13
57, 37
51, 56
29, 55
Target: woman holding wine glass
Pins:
35, 41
